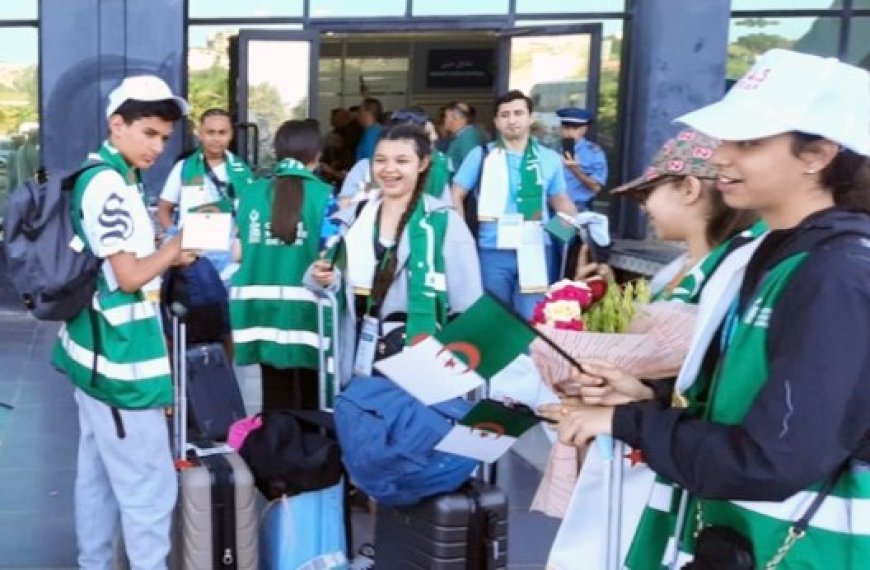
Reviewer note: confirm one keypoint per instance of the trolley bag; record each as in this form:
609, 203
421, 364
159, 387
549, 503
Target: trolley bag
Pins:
311, 530
214, 400
215, 522
462, 530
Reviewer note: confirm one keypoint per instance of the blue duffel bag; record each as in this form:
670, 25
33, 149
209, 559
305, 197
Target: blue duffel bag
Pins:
387, 440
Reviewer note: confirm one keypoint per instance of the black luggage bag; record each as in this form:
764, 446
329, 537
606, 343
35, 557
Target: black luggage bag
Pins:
463, 530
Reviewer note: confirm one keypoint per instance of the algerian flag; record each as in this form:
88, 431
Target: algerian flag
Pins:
561, 229
487, 431
467, 351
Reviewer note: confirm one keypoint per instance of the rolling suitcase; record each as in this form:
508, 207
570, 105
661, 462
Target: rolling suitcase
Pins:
215, 522
463, 530
214, 400
310, 531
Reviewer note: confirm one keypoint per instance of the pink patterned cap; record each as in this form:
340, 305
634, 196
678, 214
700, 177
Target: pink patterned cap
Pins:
687, 154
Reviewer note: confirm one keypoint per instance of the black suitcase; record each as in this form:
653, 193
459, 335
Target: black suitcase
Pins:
214, 400
464, 530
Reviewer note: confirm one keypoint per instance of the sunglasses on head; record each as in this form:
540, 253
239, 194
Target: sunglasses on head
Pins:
406, 116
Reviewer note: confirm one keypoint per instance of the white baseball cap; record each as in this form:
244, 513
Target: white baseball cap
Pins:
788, 91
143, 88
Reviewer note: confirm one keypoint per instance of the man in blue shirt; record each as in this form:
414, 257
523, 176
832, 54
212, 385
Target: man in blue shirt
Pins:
369, 119
514, 183
586, 166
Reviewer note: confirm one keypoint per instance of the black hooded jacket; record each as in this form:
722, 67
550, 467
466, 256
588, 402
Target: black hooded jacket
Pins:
813, 413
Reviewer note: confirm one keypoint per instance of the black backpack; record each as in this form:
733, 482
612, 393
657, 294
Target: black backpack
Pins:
49, 265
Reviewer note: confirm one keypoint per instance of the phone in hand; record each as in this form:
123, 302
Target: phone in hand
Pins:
568, 146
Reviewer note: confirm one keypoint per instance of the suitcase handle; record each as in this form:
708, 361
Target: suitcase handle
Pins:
179, 375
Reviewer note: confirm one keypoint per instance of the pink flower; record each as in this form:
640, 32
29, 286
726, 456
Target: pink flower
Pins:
702, 152
651, 173
686, 136
572, 325
538, 315
676, 165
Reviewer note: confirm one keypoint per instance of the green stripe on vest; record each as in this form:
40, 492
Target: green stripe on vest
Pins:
743, 372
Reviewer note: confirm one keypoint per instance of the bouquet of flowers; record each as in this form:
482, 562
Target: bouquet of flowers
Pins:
615, 324
592, 305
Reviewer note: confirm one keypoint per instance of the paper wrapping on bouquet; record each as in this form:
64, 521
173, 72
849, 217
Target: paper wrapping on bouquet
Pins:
654, 348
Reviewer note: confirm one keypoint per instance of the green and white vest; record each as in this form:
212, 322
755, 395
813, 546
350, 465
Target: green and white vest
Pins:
839, 534
132, 363
273, 315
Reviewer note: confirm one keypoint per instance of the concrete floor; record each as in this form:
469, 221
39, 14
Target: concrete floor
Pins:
38, 440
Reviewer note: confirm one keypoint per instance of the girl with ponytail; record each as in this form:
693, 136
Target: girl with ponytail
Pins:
283, 221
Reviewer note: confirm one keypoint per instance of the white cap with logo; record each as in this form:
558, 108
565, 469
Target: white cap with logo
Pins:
788, 91
143, 88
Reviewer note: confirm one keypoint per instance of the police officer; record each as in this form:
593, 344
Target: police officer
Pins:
586, 165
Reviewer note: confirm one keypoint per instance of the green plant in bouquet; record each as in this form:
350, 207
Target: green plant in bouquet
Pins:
615, 309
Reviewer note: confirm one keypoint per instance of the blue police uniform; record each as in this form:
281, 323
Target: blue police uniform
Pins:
588, 155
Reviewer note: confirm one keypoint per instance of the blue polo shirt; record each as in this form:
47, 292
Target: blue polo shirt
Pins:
593, 162
551, 174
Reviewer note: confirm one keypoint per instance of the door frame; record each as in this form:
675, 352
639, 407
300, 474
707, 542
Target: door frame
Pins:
245, 36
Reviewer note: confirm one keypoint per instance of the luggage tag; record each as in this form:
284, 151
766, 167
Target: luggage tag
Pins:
365, 348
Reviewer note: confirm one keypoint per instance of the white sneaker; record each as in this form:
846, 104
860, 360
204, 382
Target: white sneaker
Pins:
364, 559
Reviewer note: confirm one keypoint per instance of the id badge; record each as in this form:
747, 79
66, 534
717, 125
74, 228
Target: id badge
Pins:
365, 347
510, 231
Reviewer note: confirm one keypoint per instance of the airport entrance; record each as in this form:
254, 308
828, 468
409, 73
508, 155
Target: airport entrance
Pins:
276, 75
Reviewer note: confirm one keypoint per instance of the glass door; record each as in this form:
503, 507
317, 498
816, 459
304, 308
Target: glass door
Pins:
276, 82
557, 66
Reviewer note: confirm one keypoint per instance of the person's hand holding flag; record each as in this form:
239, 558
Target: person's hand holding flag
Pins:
578, 424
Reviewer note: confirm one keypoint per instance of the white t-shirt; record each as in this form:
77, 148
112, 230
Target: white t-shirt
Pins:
192, 196
115, 220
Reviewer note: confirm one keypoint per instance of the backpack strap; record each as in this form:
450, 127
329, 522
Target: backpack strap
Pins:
76, 184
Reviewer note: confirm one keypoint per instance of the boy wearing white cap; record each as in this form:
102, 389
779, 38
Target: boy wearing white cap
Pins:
768, 466
114, 351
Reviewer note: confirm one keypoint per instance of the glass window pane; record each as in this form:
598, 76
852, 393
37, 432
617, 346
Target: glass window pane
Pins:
244, 8
459, 7
208, 65
350, 8
276, 97
569, 6
750, 37
19, 108
554, 72
784, 4
19, 10
859, 47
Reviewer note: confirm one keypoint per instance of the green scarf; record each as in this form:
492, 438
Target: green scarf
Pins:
193, 172
292, 167
427, 302
530, 196
110, 155
439, 174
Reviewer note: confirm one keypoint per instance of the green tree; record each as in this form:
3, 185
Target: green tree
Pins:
208, 88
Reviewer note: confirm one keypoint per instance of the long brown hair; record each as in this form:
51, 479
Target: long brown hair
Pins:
847, 176
724, 221
401, 132
300, 140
